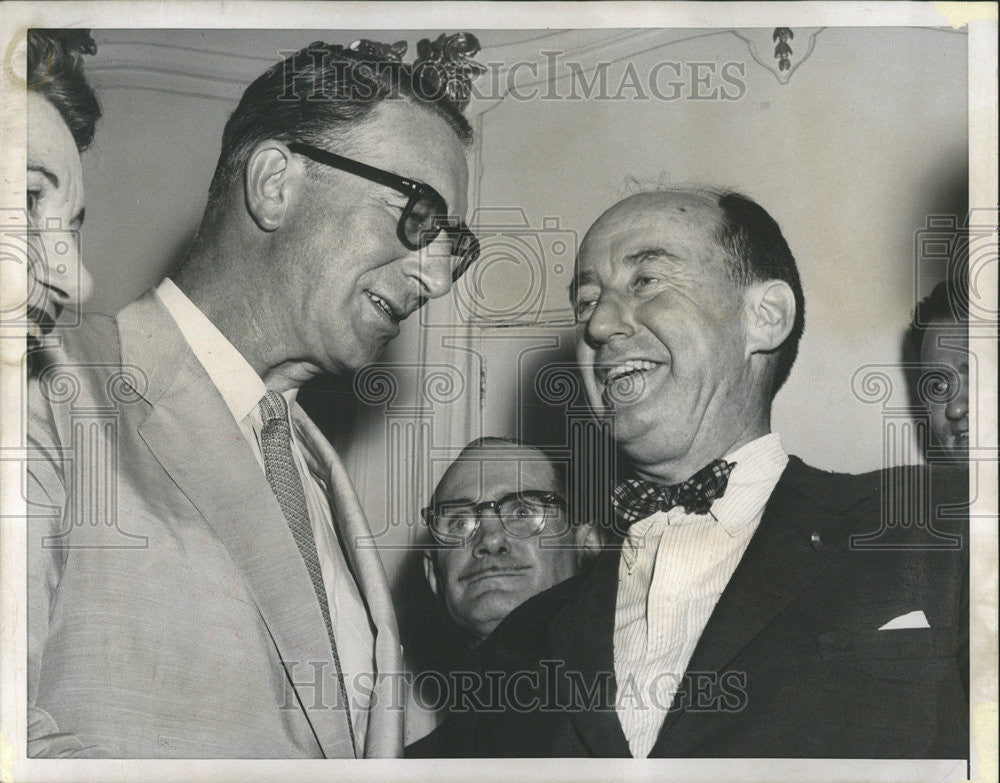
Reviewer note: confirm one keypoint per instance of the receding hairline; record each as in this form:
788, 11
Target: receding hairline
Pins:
357, 130
657, 200
498, 450
650, 201
703, 196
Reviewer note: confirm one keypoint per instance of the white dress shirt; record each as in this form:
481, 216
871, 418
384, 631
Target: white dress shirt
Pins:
242, 390
673, 569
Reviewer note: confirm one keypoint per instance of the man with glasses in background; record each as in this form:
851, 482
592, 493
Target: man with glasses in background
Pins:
214, 603
501, 533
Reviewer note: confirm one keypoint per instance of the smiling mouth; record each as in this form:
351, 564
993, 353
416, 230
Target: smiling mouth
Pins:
385, 307
627, 370
489, 573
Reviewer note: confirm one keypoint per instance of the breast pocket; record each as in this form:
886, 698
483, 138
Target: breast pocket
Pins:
909, 659
905, 644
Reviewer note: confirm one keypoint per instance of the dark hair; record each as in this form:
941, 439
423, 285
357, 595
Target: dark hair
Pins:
947, 303
318, 95
55, 71
758, 252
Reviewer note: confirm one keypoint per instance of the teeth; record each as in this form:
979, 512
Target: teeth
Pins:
626, 368
383, 304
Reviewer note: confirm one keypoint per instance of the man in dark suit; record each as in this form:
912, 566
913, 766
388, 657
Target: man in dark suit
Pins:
757, 607
195, 586
501, 532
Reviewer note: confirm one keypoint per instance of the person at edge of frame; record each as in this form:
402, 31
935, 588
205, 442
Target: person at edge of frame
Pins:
62, 114
939, 339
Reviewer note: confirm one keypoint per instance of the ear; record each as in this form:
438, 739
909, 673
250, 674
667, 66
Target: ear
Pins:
270, 175
430, 572
588, 541
770, 314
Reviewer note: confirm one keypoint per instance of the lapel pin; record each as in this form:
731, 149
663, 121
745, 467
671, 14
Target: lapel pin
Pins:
816, 542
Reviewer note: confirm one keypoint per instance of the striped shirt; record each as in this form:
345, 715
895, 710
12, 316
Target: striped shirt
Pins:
673, 569
242, 390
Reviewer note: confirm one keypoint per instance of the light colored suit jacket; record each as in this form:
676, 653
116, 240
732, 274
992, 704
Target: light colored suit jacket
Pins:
170, 613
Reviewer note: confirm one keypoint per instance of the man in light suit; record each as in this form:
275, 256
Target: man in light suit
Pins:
757, 607
199, 584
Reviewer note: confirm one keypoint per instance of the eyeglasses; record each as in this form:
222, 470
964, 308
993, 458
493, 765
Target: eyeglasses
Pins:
522, 515
424, 216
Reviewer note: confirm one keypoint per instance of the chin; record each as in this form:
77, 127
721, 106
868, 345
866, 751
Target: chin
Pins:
40, 321
483, 628
492, 607
647, 446
345, 363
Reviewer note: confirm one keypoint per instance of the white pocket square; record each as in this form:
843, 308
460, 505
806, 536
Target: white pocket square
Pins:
915, 619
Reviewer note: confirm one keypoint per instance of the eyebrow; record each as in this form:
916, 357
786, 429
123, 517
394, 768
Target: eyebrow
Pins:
630, 259
455, 502
648, 254
80, 216
49, 175
583, 278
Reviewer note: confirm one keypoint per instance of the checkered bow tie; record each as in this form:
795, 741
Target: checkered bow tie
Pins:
635, 499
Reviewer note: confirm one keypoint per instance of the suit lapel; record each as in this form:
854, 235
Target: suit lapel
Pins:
779, 564
582, 637
192, 434
385, 726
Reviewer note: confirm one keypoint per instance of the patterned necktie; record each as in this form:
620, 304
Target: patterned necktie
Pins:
279, 467
635, 499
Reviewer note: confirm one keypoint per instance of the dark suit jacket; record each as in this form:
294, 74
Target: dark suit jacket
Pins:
791, 662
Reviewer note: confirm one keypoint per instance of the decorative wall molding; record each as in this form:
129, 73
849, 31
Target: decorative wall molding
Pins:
787, 57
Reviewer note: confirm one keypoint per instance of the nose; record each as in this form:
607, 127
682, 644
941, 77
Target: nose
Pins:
958, 408
611, 318
72, 276
58, 266
431, 267
491, 538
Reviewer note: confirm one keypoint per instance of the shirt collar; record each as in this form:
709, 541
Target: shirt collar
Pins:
238, 383
759, 465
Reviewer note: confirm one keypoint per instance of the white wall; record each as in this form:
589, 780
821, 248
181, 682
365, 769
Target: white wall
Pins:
865, 140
